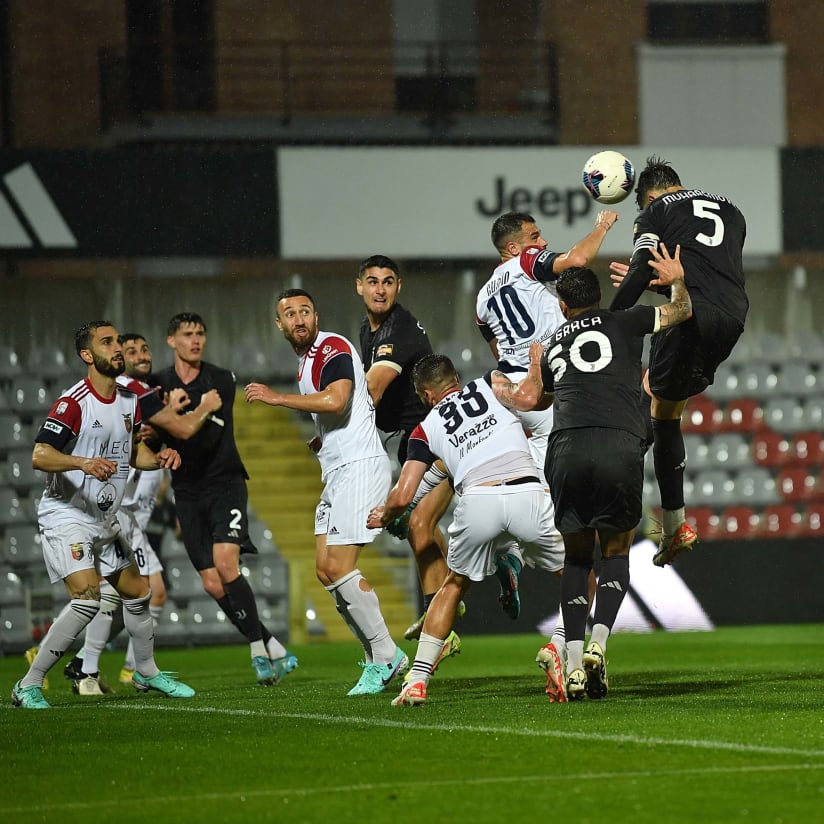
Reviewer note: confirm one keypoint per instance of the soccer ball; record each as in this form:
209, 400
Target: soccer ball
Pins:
608, 176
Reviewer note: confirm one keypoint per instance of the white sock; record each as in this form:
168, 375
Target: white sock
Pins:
274, 649
429, 648
559, 637
99, 629
68, 625
575, 655
600, 633
258, 649
671, 519
365, 613
139, 626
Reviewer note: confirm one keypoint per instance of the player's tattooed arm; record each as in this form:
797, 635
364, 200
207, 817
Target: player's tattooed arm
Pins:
671, 273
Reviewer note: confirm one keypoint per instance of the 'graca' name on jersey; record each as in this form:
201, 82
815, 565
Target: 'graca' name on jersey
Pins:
575, 326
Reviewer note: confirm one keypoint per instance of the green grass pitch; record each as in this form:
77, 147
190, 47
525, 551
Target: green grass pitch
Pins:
726, 726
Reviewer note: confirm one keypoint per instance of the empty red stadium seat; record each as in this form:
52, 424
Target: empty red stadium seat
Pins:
812, 522
807, 449
704, 521
782, 521
770, 449
701, 415
742, 415
740, 522
797, 484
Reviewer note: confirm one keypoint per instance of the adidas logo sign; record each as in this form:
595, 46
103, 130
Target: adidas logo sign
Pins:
97, 424
234, 533
333, 531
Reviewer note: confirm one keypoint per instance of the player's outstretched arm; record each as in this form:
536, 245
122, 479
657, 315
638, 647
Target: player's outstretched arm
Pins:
529, 393
48, 459
400, 496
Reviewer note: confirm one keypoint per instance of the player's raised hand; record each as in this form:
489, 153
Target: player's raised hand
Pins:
617, 272
669, 269
261, 392
212, 400
178, 399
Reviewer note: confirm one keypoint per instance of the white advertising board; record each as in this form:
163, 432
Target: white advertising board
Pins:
441, 202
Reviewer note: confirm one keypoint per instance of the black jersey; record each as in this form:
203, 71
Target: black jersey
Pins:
400, 342
211, 454
711, 231
593, 365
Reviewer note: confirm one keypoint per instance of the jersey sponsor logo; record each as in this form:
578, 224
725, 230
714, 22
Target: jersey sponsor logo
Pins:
127, 421
488, 422
106, 497
52, 426
61, 408
384, 350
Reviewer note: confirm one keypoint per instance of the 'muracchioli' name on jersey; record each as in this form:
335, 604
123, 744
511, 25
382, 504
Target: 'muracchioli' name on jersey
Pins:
689, 193
486, 423
575, 326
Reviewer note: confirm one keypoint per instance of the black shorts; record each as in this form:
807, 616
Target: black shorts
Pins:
213, 515
596, 478
683, 358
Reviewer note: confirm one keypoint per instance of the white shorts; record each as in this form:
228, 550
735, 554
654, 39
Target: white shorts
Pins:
144, 555
350, 493
489, 517
74, 546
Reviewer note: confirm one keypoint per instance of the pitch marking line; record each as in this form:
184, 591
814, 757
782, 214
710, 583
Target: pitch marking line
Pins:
729, 746
286, 793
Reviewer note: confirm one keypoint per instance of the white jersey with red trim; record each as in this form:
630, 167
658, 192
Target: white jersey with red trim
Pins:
83, 423
516, 308
475, 435
351, 435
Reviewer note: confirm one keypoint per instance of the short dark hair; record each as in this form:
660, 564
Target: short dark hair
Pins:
432, 371
578, 287
380, 262
83, 336
182, 318
657, 175
295, 293
508, 224
127, 336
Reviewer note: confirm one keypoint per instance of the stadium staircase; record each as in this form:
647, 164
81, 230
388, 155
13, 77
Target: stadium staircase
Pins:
284, 489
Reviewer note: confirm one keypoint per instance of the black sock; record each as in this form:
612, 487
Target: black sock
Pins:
613, 583
669, 454
244, 613
225, 604
575, 600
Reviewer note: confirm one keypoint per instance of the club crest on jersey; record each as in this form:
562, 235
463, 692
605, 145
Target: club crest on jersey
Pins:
61, 408
384, 350
77, 551
127, 421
